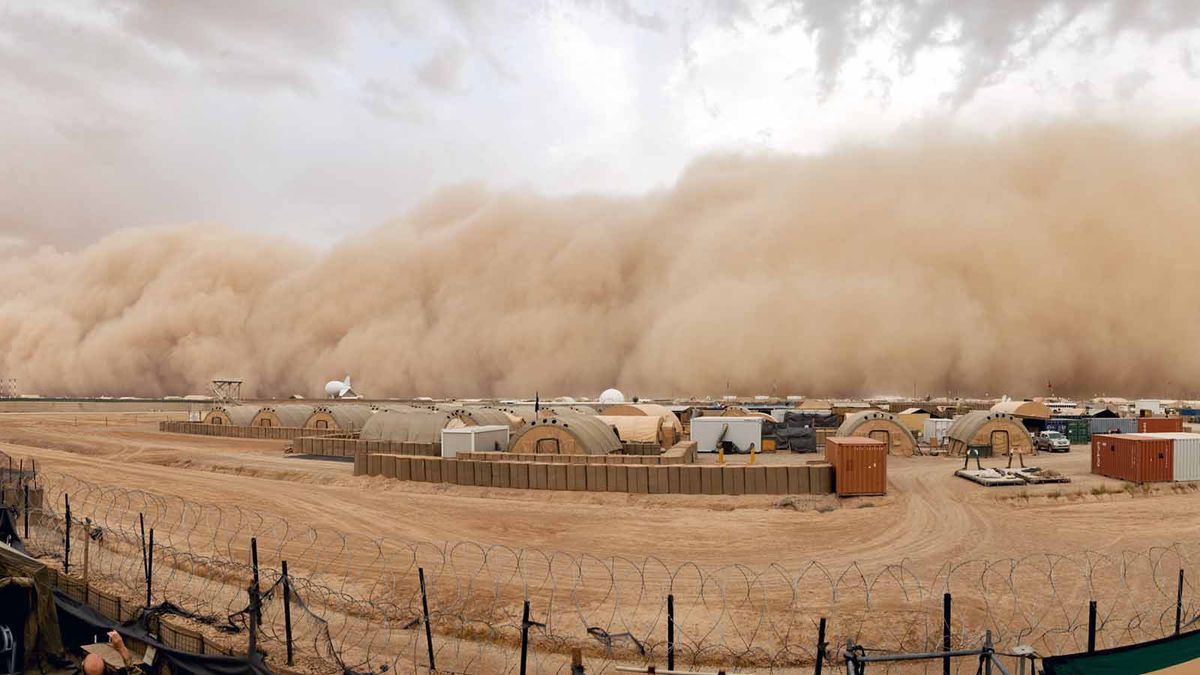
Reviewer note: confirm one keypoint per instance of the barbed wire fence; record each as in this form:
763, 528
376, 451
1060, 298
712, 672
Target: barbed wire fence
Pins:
356, 603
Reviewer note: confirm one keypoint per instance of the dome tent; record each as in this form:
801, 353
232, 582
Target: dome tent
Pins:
881, 426
292, 416
235, 415
991, 433
339, 417
567, 434
409, 427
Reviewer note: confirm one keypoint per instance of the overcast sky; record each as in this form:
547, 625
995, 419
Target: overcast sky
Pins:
320, 118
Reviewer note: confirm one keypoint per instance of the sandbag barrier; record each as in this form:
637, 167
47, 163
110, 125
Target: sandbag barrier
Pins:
686, 479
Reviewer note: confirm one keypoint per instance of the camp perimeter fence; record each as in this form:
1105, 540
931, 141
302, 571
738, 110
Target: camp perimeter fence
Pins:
356, 604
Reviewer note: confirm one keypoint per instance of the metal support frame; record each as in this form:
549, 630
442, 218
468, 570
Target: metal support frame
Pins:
857, 657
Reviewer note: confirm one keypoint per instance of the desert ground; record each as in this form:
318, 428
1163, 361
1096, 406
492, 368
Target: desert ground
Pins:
930, 519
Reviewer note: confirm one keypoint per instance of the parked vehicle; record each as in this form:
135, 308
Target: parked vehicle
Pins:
1051, 441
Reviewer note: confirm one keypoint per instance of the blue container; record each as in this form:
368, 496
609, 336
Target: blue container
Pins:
1059, 425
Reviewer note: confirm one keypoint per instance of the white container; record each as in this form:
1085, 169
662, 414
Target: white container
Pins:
491, 438
933, 431
1154, 406
741, 431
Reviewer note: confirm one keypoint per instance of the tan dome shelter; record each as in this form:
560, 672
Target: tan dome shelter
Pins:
292, 415
480, 416
639, 429
339, 417
672, 427
991, 433
423, 426
232, 416
1034, 410
567, 435
882, 426
573, 409
525, 412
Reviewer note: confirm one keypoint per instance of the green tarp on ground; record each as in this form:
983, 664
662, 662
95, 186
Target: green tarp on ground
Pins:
1145, 657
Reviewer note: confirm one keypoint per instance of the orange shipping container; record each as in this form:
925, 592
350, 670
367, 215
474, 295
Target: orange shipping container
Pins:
1156, 425
1133, 458
859, 465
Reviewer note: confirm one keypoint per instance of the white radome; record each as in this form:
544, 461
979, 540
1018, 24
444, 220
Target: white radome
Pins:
612, 396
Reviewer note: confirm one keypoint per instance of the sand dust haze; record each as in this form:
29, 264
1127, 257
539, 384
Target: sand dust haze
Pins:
1065, 255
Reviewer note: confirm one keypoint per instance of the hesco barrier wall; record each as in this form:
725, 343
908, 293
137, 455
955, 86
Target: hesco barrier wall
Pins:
231, 431
681, 453
630, 478
348, 445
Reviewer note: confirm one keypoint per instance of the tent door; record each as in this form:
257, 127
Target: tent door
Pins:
882, 435
1000, 442
547, 446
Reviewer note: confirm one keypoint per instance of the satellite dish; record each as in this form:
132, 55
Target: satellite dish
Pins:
340, 389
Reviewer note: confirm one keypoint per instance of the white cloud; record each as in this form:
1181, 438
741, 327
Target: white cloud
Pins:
331, 117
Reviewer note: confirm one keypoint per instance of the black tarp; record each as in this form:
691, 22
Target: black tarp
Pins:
816, 421
82, 625
9, 534
797, 430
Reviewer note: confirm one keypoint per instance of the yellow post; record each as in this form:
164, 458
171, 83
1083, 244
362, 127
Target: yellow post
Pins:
720, 453
751, 454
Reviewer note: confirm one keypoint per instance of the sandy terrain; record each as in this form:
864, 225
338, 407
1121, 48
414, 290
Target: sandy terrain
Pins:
929, 519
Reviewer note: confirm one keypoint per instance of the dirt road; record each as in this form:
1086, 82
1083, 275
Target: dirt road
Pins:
929, 516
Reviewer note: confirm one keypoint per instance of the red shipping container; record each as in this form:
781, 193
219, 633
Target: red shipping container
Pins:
1133, 458
1158, 425
859, 465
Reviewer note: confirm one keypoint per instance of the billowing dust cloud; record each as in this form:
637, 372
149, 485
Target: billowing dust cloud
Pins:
1065, 256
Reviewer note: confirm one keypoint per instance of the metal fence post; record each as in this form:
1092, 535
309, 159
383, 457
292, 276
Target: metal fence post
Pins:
670, 631
1179, 603
820, 647
1091, 626
985, 659
524, 635
425, 614
67, 537
257, 614
150, 571
27, 513
255, 608
287, 612
946, 632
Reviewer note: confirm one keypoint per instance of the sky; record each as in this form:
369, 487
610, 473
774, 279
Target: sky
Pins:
316, 120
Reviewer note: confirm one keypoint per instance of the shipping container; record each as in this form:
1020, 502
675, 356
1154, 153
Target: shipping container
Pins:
1159, 425
1138, 458
1111, 425
1077, 431
859, 465
1185, 448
